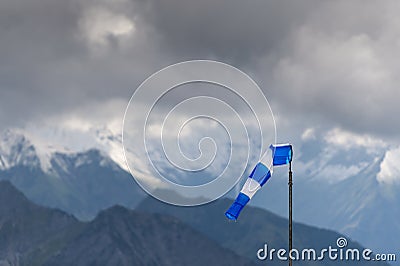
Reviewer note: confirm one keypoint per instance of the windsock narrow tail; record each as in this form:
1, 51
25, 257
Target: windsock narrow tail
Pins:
233, 212
258, 177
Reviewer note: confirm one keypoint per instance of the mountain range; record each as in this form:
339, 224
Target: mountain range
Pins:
85, 180
34, 235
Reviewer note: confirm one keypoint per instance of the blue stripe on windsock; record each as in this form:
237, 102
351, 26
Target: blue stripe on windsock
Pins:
261, 174
233, 212
281, 153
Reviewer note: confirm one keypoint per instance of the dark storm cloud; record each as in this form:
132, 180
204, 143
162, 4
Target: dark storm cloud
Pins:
37, 37
323, 63
51, 64
341, 67
235, 31
319, 62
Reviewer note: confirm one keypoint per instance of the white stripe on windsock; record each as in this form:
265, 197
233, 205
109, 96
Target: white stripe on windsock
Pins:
250, 187
267, 160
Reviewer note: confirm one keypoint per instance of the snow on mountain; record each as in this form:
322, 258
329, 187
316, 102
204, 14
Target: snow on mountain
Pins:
19, 148
39, 147
81, 172
111, 144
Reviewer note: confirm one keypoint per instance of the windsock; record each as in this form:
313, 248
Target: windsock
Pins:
281, 155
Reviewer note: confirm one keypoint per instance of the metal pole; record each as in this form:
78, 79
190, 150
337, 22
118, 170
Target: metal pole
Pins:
290, 211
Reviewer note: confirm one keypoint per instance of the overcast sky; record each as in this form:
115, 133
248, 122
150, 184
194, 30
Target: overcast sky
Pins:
323, 65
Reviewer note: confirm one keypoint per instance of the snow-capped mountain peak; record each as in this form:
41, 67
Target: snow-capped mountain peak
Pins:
16, 149
35, 149
111, 144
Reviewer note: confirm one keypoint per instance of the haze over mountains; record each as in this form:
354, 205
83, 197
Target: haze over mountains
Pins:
92, 178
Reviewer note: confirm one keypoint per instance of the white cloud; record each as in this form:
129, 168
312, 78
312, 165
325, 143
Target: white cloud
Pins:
99, 23
390, 168
348, 140
336, 172
308, 134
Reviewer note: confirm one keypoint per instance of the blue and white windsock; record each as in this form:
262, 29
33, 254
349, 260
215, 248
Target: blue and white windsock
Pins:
281, 155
